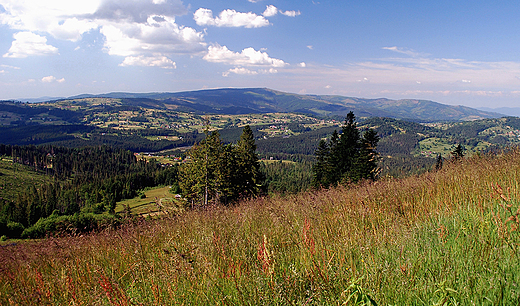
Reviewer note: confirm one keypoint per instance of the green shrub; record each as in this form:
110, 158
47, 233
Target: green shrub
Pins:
67, 225
14, 229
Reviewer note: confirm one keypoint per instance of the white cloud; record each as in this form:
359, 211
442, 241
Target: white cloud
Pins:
229, 18
164, 37
302, 64
159, 61
28, 44
241, 70
10, 67
268, 71
56, 17
2, 71
270, 11
51, 79
131, 27
404, 51
310, 47
138, 11
248, 57
291, 13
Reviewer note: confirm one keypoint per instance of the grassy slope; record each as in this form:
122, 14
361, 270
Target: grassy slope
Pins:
157, 200
16, 178
435, 239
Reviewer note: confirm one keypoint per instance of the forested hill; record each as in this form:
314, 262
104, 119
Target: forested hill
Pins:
263, 100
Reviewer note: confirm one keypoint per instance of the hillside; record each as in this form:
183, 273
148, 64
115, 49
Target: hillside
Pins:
142, 124
443, 238
263, 100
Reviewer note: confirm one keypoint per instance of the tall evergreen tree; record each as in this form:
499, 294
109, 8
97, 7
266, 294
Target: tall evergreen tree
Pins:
365, 161
346, 158
458, 152
320, 169
221, 173
250, 177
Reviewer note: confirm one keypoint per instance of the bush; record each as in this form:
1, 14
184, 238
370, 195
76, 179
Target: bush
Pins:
15, 229
11, 229
70, 225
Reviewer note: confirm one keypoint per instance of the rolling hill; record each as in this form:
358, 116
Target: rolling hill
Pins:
263, 100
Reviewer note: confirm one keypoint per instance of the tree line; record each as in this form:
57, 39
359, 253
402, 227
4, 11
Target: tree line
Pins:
85, 180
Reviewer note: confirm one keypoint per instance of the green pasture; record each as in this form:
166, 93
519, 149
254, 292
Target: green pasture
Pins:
157, 202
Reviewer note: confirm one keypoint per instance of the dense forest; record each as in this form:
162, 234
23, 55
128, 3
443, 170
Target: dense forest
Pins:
85, 181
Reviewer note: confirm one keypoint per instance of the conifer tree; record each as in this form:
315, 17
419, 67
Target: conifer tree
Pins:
250, 177
458, 152
346, 158
221, 173
320, 169
349, 146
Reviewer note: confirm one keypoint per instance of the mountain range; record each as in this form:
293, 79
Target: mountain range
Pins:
264, 100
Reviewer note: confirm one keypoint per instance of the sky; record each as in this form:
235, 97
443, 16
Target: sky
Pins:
454, 52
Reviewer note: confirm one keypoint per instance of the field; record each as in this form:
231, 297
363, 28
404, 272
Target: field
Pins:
448, 237
15, 178
156, 201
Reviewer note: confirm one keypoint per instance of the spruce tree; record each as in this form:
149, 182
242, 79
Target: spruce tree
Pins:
365, 161
346, 158
458, 152
221, 173
349, 146
320, 169
250, 177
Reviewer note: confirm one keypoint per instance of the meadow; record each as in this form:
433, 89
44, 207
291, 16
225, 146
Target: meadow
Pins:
448, 237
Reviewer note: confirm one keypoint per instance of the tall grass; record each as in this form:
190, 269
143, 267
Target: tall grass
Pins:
443, 238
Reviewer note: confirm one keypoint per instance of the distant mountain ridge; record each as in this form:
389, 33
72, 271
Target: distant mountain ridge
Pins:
509, 111
264, 100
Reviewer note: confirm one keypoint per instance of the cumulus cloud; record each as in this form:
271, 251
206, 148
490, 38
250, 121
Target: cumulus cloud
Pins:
241, 70
245, 71
229, 18
52, 79
133, 28
58, 18
248, 57
270, 11
158, 61
291, 13
163, 36
302, 64
137, 10
27, 44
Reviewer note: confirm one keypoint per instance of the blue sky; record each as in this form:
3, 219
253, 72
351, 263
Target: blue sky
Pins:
453, 52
